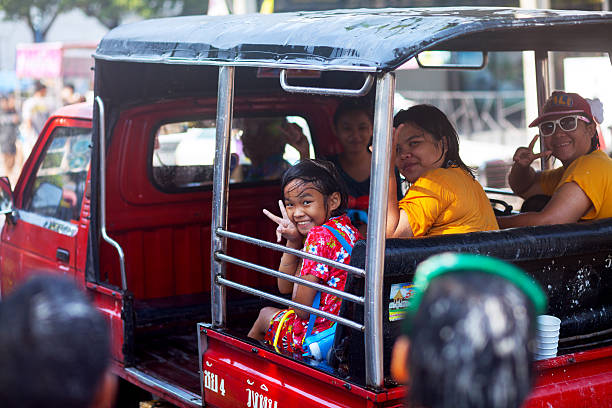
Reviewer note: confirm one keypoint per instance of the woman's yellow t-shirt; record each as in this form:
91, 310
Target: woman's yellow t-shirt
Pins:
447, 201
593, 174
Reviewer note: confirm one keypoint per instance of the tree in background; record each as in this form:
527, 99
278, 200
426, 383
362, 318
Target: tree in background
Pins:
38, 14
112, 12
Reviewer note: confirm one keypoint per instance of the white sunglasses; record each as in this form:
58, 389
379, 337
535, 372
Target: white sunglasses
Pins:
566, 123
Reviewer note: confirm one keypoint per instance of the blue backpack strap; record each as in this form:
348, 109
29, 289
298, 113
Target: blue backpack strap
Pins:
317, 300
315, 304
347, 247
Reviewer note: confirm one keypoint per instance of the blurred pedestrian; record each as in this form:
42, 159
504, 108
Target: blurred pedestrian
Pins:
69, 96
470, 334
9, 122
34, 113
54, 348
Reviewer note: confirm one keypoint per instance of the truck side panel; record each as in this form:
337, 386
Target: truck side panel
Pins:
237, 374
574, 380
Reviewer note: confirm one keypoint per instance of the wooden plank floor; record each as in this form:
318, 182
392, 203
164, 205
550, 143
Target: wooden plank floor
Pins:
172, 358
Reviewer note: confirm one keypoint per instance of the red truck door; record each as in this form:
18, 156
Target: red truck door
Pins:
47, 201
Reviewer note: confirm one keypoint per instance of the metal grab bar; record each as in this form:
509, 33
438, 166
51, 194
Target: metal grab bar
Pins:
296, 252
290, 278
498, 191
115, 244
367, 85
346, 322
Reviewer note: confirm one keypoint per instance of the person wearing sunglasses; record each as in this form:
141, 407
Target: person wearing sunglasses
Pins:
579, 190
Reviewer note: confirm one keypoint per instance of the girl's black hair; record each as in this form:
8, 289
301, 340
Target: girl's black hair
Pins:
353, 105
434, 121
324, 178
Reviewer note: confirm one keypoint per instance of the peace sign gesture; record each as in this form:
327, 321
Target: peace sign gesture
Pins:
524, 156
286, 228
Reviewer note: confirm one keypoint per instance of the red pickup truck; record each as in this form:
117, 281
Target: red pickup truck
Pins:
147, 200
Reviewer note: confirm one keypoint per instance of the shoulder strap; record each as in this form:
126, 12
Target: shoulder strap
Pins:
317, 299
315, 304
347, 247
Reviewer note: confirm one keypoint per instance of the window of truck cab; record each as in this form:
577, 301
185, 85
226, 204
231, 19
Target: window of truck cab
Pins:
58, 187
183, 151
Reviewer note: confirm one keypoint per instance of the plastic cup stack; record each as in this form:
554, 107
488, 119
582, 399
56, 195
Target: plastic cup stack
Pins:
547, 336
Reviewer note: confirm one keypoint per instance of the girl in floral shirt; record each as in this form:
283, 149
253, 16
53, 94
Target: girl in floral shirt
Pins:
314, 195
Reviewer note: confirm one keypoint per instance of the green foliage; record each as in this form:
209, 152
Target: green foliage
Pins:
193, 7
38, 14
111, 12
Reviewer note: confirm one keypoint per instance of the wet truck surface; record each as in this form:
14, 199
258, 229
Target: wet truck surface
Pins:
149, 201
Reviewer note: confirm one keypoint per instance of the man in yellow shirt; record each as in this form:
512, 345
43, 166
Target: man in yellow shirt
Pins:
582, 188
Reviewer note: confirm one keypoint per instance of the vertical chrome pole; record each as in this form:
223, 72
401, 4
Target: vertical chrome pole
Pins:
375, 250
225, 102
543, 90
105, 236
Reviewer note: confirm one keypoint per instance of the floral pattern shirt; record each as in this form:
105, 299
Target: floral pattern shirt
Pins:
320, 241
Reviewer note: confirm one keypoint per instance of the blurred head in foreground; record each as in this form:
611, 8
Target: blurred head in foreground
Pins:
470, 336
54, 348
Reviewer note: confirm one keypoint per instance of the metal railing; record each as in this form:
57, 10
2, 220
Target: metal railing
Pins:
220, 280
296, 252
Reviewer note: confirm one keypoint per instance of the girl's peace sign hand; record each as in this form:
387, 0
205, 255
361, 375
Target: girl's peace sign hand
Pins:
286, 229
524, 156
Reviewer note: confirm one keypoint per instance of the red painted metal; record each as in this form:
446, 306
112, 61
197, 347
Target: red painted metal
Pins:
574, 380
167, 233
110, 303
28, 248
239, 374
167, 241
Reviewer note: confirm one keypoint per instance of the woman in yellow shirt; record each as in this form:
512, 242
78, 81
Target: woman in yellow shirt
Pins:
581, 189
444, 197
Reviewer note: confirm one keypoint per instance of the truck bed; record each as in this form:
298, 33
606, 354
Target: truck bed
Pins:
166, 337
171, 357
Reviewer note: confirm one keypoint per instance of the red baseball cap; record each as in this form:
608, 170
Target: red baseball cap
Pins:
563, 103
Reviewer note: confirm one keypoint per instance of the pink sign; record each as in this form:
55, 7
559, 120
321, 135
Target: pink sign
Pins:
37, 61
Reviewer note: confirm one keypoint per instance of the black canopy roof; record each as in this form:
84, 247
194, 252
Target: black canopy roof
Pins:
367, 40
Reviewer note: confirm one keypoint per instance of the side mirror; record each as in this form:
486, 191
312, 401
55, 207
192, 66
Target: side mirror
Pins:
6, 199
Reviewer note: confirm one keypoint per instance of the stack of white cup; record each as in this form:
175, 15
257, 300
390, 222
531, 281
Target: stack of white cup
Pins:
547, 336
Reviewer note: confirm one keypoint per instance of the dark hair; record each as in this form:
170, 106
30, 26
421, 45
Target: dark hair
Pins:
324, 178
39, 86
434, 121
353, 105
595, 141
54, 346
472, 343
